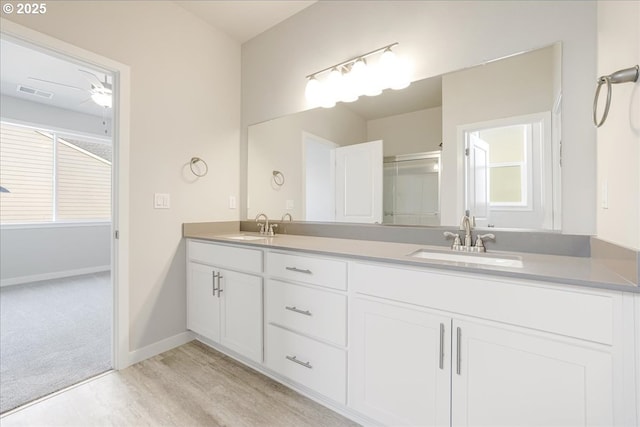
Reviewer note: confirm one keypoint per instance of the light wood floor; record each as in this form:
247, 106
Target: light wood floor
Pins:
191, 385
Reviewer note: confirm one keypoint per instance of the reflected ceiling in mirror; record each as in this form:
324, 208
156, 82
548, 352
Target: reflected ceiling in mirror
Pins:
424, 118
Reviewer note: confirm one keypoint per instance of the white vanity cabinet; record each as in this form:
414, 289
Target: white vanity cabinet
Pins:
514, 376
399, 364
224, 296
534, 355
306, 313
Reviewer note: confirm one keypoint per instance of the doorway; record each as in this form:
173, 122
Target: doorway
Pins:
59, 163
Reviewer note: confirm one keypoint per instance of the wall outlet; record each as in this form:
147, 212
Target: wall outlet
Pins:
232, 202
289, 205
161, 201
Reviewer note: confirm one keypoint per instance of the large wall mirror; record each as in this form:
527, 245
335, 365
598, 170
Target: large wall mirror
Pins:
380, 159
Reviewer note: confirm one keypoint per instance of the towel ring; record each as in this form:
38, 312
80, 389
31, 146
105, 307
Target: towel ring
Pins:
192, 164
621, 76
278, 178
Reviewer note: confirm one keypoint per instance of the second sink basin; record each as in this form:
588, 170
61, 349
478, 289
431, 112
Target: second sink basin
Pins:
498, 260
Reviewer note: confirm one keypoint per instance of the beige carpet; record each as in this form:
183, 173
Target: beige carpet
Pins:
53, 334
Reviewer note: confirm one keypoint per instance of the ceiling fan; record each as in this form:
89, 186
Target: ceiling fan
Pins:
100, 91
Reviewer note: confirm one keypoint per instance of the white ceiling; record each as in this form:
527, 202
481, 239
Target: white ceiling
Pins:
243, 20
22, 65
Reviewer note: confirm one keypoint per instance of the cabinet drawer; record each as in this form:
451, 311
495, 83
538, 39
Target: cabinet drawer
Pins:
317, 271
587, 315
224, 256
317, 366
314, 312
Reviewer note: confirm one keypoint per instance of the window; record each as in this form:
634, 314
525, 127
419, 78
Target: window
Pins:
508, 153
52, 178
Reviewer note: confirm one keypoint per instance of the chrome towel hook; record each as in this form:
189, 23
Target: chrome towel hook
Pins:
621, 76
196, 169
278, 178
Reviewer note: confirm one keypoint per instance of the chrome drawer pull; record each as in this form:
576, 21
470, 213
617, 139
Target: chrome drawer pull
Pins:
297, 310
458, 350
441, 365
295, 360
298, 270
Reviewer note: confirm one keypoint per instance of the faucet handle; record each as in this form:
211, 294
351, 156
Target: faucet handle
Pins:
271, 232
261, 227
480, 244
456, 239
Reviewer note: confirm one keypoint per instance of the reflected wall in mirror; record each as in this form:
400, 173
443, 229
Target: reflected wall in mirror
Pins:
434, 117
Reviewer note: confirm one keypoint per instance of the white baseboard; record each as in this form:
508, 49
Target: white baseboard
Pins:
159, 347
53, 275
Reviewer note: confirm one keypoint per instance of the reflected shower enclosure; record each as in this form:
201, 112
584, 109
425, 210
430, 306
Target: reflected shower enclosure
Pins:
412, 189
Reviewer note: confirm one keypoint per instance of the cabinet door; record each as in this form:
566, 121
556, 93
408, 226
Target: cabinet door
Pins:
203, 305
512, 378
399, 364
241, 313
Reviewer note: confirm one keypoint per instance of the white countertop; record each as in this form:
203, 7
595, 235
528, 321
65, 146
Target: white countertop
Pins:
579, 271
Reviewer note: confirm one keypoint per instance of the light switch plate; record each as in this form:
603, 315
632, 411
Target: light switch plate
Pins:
289, 205
161, 201
232, 202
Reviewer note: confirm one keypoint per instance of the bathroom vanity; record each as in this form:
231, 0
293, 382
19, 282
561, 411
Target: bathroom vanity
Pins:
392, 339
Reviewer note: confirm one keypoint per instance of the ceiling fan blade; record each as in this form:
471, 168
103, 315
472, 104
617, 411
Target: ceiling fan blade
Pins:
56, 83
93, 79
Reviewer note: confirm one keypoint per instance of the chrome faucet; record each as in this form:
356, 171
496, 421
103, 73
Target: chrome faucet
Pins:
264, 228
285, 215
466, 224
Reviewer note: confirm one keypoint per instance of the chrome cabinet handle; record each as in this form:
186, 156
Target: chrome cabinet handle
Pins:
298, 270
214, 276
219, 286
458, 353
297, 310
441, 345
294, 359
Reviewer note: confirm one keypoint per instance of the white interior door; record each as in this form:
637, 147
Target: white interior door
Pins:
478, 179
359, 183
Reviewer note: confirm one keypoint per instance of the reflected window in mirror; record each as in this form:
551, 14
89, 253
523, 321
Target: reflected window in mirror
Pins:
509, 172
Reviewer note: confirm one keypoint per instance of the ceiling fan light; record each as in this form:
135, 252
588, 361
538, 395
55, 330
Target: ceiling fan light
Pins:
102, 99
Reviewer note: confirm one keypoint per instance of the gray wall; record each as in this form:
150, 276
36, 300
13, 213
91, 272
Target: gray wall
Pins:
50, 251
438, 36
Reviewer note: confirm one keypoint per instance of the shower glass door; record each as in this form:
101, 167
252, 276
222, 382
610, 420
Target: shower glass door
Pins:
412, 189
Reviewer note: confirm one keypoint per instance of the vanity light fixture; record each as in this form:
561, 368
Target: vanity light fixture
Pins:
349, 80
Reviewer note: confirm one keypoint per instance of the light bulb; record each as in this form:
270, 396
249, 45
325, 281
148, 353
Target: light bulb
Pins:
349, 91
313, 91
386, 67
359, 74
327, 101
372, 85
334, 85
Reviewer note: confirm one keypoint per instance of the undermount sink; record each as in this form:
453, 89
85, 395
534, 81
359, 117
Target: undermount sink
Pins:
498, 260
246, 237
